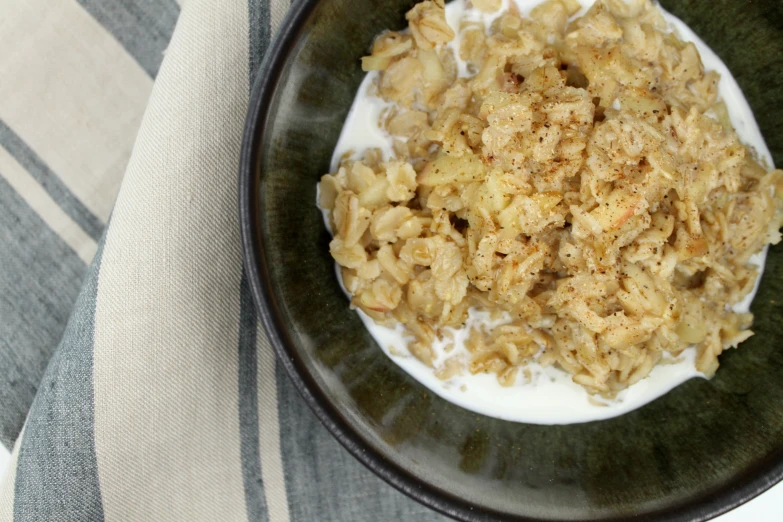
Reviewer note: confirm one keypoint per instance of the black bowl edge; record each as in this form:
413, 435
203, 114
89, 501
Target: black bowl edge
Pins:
715, 503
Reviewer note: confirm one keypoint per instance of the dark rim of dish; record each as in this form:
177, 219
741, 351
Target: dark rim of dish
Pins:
746, 485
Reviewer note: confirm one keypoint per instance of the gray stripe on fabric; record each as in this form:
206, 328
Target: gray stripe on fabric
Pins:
57, 473
255, 500
50, 182
143, 27
260, 34
323, 481
40, 277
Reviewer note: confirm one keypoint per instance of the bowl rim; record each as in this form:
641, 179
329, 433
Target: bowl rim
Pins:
742, 488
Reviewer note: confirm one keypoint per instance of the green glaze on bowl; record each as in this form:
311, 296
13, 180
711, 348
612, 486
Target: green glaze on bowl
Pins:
698, 451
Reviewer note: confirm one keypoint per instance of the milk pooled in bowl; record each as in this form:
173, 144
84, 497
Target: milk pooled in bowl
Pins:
540, 395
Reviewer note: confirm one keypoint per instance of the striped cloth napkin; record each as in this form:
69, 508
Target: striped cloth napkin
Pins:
135, 383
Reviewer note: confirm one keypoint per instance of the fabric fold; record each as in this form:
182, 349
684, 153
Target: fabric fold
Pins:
164, 401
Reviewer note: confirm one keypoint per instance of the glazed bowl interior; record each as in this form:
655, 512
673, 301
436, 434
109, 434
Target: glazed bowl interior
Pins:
699, 450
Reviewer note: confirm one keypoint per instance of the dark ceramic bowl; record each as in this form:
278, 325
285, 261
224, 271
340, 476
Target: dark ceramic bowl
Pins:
699, 451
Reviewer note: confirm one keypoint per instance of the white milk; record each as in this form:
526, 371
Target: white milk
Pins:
542, 395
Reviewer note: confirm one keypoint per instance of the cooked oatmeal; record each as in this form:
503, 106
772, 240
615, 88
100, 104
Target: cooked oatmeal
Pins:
584, 180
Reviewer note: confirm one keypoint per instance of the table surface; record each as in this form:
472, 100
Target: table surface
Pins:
765, 508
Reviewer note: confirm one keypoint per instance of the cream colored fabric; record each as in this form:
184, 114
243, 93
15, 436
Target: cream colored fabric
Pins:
165, 369
60, 62
41, 202
7, 485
